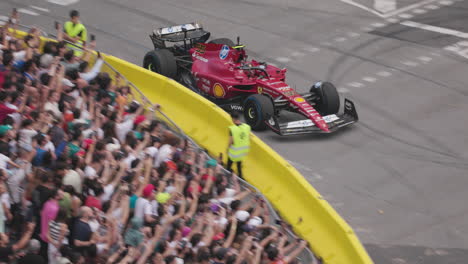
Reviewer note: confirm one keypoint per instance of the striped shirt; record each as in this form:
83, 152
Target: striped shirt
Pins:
55, 230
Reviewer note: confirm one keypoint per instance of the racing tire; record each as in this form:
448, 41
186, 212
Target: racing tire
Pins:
224, 41
161, 61
257, 109
330, 99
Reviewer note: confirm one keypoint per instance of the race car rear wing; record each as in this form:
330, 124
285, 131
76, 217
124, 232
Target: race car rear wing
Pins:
306, 126
185, 32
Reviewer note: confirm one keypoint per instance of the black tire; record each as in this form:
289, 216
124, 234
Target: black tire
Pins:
224, 41
329, 102
161, 61
257, 109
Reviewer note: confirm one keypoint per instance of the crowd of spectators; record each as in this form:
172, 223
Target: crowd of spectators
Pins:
87, 175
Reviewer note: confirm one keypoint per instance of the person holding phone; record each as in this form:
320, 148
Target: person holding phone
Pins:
75, 32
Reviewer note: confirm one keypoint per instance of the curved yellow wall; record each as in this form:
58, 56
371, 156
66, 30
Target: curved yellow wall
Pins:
297, 201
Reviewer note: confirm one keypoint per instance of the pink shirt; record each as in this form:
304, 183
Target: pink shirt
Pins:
48, 213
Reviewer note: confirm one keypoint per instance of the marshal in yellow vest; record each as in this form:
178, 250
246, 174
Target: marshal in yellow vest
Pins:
74, 30
241, 142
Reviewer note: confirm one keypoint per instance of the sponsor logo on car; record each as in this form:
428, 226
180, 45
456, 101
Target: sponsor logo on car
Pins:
299, 99
224, 52
200, 58
218, 90
200, 48
309, 123
260, 89
285, 88
237, 107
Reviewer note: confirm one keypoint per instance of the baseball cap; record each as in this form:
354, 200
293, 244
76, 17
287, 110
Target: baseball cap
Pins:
211, 163
148, 190
255, 221
4, 129
163, 197
242, 215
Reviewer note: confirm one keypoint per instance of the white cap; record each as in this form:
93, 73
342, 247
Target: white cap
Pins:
255, 221
242, 215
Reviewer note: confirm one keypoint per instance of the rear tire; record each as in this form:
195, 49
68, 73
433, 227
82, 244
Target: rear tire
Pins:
224, 41
329, 102
257, 109
161, 61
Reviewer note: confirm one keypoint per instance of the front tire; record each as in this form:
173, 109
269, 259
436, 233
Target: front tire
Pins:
161, 61
257, 109
329, 102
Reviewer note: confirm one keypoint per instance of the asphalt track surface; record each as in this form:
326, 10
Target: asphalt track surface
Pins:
399, 176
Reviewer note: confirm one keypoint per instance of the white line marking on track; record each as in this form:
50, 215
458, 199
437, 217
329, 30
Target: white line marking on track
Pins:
460, 48
40, 8
393, 20
63, 2
432, 7
424, 59
378, 25
340, 39
384, 74
410, 63
405, 16
356, 84
388, 14
440, 30
343, 90
370, 10
446, 2
311, 49
3, 18
353, 34
297, 54
369, 79
283, 59
419, 11
27, 11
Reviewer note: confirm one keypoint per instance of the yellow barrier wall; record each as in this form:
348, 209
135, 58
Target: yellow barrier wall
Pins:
297, 201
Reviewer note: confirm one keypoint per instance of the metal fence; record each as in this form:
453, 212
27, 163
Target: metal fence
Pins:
306, 256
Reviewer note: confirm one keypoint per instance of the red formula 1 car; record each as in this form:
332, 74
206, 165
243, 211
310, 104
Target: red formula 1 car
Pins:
219, 70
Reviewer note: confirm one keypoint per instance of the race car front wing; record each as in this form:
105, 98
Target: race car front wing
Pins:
306, 126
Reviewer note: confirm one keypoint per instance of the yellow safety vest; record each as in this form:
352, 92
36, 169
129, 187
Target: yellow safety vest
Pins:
241, 142
74, 30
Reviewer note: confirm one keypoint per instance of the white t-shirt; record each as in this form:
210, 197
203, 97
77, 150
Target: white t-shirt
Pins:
49, 106
49, 146
122, 129
5, 198
108, 191
26, 136
142, 207
163, 154
73, 178
90, 172
4, 161
152, 151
